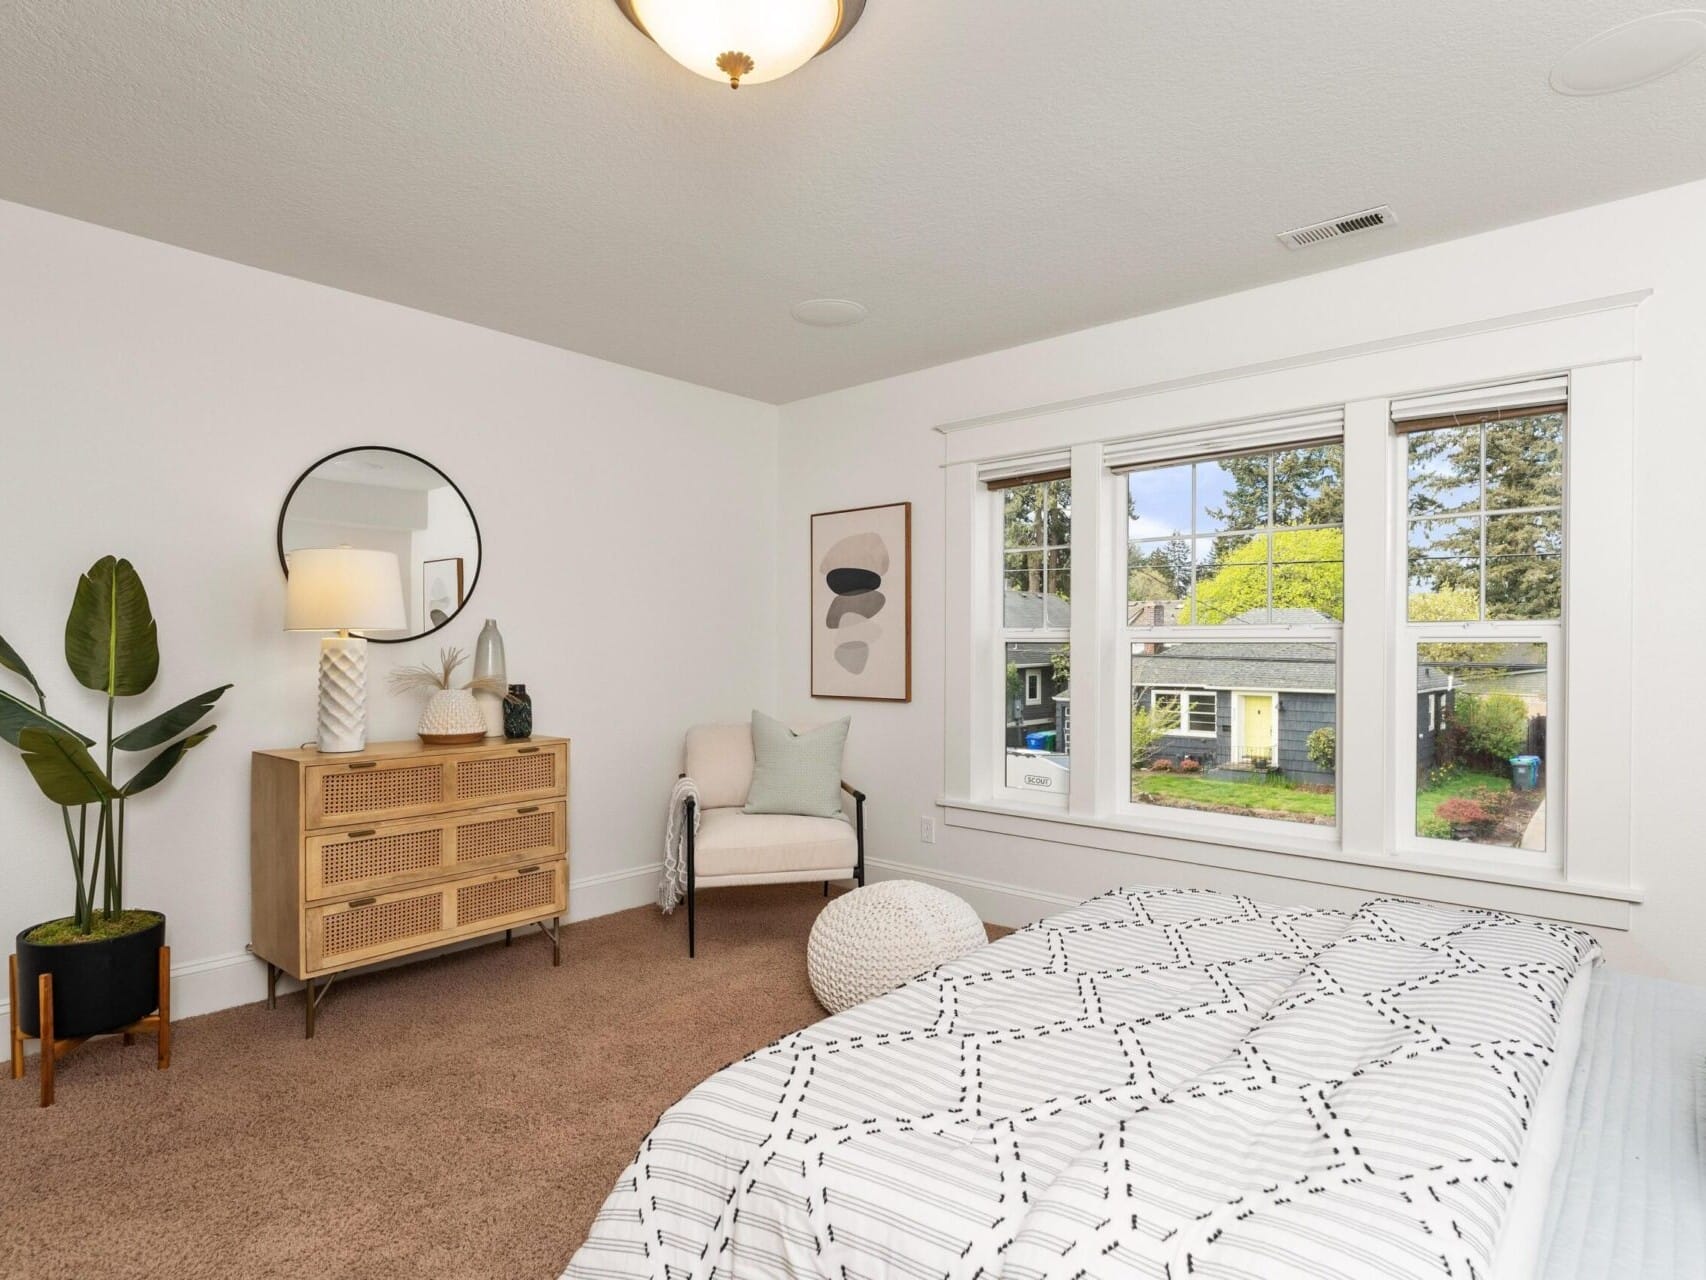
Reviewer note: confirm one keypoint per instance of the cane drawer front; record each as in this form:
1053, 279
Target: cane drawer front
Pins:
342, 795
342, 934
504, 898
511, 775
390, 855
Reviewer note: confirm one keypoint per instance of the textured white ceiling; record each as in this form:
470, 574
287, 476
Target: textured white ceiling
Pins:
978, 172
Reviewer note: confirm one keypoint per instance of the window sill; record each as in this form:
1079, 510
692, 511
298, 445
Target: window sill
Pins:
1309, 858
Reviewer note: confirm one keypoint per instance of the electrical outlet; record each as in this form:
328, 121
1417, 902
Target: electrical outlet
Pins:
927, 830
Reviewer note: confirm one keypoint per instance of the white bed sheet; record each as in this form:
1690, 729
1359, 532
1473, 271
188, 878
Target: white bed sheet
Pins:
1521, 1244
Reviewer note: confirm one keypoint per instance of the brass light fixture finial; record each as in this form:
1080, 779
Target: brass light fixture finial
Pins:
734, 65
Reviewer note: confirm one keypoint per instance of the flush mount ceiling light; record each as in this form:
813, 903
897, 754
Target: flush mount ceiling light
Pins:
1635, 53
829, 313
743, 41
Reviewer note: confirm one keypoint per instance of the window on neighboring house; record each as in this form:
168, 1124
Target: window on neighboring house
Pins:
1245, 727
1036, 619
1484, 519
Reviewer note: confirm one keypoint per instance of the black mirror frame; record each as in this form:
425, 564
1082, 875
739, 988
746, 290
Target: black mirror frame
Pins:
479, 542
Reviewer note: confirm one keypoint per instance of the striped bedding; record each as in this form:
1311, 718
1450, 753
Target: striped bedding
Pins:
1157, 1083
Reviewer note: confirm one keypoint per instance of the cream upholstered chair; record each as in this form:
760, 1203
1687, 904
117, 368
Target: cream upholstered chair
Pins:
732, 847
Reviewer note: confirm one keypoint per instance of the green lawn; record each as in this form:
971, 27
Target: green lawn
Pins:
1459, 784
1258, 797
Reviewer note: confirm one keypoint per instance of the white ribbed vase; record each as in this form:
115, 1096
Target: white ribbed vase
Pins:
451, 712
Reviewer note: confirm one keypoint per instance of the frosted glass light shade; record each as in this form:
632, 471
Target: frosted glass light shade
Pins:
343, 589
779, 36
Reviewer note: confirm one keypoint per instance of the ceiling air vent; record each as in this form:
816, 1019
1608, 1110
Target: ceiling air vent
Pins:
1333, 228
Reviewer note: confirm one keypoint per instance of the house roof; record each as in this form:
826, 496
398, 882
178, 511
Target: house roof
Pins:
1034, 654
1025, 610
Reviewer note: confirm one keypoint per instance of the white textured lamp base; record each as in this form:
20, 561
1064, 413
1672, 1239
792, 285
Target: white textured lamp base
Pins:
343, 693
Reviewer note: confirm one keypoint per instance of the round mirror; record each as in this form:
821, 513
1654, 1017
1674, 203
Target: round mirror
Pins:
380, 499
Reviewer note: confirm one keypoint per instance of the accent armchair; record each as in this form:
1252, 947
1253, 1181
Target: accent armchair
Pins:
732, 847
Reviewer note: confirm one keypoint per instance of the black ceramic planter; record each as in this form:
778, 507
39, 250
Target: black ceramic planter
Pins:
97, 986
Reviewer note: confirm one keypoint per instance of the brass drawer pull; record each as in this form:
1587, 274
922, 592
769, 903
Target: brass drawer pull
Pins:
525, 751
361, 902
364, 764
527, 871
361, 835
528, 808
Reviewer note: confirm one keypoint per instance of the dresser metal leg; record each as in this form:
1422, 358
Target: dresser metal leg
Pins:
507, 937
553, 932
272, 985
308, 996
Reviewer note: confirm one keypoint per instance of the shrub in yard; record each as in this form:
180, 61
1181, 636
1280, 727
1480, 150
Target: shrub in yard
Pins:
1494, 725
1460, 811
1188, 765
1434, 828
1322, 747
1161, 764
1145, 733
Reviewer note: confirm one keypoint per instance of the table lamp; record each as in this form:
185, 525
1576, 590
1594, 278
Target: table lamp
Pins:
343, 589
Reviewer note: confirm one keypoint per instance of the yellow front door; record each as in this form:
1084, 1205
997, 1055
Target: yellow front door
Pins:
1258, 726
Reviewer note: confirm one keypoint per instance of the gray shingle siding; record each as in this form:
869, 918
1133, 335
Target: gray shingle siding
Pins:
1301, 714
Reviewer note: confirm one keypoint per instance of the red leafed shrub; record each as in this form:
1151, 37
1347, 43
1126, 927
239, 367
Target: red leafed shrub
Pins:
1460, 812
1188, 765
1161, 764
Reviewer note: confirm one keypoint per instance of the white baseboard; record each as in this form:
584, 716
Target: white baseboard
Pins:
996, 902
223, 982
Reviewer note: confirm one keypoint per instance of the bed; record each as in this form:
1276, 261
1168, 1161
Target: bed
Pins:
1157, 1083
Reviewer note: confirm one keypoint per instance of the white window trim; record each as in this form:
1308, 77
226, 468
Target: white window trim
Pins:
1594, 345
1033, 687
1184, 712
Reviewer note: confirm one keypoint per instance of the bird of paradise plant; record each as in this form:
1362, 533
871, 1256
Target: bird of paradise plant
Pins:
112, 647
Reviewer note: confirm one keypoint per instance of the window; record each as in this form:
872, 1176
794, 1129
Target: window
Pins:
1177, 711
1484, 524
1239, 728
1248, 540
1036, 618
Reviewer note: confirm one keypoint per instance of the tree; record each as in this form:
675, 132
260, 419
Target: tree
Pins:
1322, 747
1494, 725
1163, 574
1308, 573
1038, 516
1523, 469
1307, 488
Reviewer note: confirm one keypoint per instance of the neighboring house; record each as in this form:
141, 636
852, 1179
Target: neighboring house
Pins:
1035, 699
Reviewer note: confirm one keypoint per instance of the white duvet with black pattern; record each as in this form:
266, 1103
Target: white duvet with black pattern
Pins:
1158, 1082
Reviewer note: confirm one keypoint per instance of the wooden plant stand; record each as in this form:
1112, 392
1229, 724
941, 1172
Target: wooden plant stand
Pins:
158, 1024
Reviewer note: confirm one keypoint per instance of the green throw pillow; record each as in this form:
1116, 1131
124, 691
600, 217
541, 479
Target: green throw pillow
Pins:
796, 772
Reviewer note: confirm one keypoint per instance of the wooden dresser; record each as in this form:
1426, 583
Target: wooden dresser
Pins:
371, 855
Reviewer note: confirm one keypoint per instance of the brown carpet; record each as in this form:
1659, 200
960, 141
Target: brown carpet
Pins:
460, 1117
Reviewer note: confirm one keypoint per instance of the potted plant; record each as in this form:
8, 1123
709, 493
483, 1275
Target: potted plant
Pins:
451, 715
103, 957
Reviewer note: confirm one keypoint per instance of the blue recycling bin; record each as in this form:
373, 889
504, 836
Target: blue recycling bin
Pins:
1525, 773
1042, 740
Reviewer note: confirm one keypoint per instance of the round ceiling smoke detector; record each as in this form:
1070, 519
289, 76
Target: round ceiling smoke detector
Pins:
829, 313
1635, 53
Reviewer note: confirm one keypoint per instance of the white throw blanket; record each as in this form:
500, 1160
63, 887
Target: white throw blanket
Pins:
674, 886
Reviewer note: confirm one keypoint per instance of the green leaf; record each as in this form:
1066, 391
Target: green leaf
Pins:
169, 724
64, 770
16, 716
155, 770
110, 640
12, 662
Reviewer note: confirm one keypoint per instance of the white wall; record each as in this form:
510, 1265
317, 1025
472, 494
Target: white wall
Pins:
156, 404
875, 443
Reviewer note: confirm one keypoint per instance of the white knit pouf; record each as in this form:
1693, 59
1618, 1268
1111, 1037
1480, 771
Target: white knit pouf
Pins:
871, 940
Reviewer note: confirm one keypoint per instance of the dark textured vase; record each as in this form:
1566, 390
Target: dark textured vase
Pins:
518, 714
97, 986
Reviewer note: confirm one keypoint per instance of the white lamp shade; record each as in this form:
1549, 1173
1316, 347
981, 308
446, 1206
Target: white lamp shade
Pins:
343, 589
778, 35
